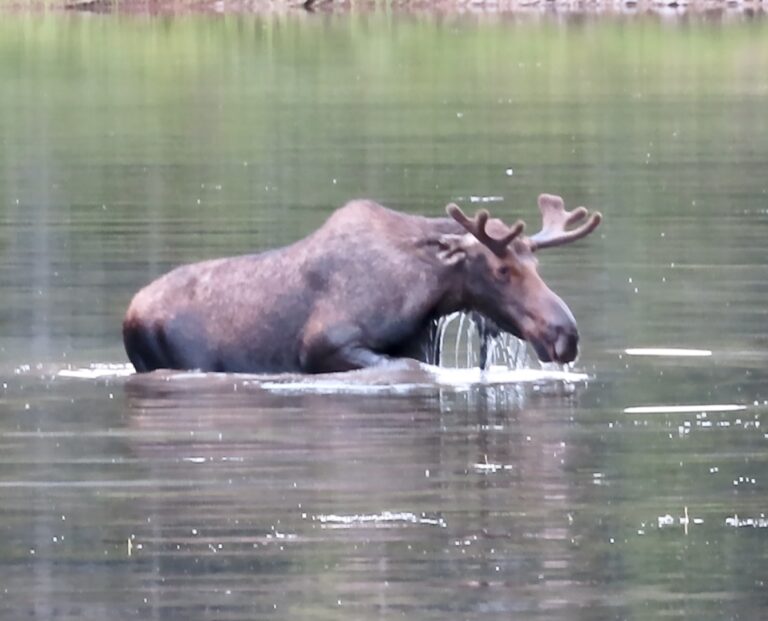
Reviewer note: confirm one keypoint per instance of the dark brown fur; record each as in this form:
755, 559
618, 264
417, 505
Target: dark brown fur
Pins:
361, 290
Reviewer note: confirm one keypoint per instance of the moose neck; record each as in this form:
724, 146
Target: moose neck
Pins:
451, 294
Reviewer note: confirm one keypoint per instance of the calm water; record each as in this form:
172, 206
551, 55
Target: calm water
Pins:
129, 145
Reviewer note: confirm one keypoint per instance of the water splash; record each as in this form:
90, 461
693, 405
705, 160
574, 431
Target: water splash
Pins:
465, 340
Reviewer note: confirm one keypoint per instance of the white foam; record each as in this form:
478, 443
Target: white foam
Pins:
365, 381
376, 381
503, 375
98, 370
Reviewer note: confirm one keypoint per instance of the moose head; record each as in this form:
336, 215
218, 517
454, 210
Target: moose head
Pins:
501, 279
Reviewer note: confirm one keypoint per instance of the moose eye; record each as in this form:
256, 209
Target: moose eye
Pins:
503, 272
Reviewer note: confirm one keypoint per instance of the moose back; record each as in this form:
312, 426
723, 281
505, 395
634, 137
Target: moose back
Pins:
362, 290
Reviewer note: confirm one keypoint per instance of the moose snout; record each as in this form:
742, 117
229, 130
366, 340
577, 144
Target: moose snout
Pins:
566, 345
556, 336
557, 344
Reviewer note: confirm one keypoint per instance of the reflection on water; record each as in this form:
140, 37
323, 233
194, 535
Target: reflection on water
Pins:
683, 409
667, 351
200, 496
631, 486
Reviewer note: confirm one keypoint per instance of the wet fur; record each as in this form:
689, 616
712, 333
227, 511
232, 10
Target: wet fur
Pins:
362, 289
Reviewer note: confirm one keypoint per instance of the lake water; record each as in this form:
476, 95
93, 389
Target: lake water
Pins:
129, 145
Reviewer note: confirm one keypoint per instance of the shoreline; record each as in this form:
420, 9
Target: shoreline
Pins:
712, 9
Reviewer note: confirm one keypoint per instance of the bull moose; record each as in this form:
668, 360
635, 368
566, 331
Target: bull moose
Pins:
363, 290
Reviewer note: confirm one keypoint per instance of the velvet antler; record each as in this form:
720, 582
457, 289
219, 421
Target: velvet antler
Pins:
556, 221
477, 227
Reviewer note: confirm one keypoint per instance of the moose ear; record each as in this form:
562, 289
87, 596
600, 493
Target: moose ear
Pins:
452, 249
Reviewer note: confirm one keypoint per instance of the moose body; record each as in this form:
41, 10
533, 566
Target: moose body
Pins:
362, 290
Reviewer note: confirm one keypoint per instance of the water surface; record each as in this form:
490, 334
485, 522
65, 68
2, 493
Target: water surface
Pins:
129, 145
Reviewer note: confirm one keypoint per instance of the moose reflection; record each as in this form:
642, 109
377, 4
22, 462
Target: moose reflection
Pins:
363, 290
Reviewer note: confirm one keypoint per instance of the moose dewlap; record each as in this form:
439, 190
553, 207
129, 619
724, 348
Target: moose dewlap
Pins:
363, 290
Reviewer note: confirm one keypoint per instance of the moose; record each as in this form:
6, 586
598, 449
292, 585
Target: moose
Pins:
363, 290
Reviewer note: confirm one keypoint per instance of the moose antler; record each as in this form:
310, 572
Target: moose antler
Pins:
476, 226
556, 220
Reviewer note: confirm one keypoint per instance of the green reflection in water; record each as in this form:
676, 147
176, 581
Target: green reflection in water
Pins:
128, 145
132, 144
